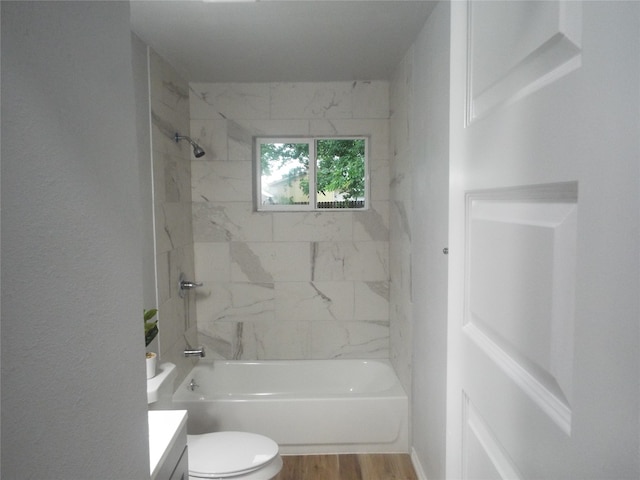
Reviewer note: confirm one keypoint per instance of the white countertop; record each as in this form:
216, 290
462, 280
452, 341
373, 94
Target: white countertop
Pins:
164, 426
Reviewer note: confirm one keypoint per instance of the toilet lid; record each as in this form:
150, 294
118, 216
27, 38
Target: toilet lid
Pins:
224, 454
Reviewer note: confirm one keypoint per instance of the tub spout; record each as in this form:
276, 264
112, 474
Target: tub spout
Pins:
194, 352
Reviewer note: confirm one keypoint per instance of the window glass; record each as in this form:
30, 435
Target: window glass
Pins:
288, 180
284, 173
340, 168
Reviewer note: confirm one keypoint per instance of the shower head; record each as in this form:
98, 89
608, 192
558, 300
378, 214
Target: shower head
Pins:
197, 151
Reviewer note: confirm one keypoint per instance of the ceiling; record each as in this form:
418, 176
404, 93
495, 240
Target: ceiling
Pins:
280, 41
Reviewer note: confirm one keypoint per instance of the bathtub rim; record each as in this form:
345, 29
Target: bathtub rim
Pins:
184, 394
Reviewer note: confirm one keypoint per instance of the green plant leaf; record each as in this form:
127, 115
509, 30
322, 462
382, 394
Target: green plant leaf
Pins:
150, 328
149, 314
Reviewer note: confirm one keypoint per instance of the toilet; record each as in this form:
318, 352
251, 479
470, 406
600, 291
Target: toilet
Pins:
233, 456
219, 455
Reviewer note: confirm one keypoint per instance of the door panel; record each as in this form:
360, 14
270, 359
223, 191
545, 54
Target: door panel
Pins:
528, 45
520, 288
484, 456
544, 261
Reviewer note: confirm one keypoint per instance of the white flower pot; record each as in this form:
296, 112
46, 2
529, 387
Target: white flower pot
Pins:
152, 360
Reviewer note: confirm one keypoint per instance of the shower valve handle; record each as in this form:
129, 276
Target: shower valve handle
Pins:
184, 284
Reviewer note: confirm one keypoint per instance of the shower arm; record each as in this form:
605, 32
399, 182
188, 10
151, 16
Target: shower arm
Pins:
197, 150
177, 137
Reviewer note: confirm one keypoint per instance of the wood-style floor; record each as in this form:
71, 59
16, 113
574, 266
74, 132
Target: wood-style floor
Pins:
347, 467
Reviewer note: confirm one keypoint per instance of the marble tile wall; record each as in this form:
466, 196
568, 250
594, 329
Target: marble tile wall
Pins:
169, 98
401, 208
288, 285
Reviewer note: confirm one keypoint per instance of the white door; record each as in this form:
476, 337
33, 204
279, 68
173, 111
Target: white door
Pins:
544, 318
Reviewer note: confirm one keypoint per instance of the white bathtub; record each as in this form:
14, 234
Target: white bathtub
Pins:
307, 406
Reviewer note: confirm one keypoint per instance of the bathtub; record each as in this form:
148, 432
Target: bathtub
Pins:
306, 406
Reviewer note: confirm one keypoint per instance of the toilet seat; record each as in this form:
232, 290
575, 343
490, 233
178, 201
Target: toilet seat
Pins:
221, 455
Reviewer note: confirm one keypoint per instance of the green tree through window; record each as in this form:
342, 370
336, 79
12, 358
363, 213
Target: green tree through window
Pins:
340, 167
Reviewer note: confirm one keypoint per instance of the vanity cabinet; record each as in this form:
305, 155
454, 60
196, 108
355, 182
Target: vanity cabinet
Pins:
168, 456
181, 472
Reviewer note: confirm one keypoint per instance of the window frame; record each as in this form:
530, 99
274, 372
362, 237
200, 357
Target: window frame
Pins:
313, 200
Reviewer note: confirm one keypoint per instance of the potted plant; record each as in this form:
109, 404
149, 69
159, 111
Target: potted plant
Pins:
150, 332
150, 328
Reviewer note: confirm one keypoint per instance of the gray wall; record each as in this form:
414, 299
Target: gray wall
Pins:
143, 128
400, 219
420, 180
430, 194
169, 98
73, 372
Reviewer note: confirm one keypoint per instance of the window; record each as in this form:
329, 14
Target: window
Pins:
311, 173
